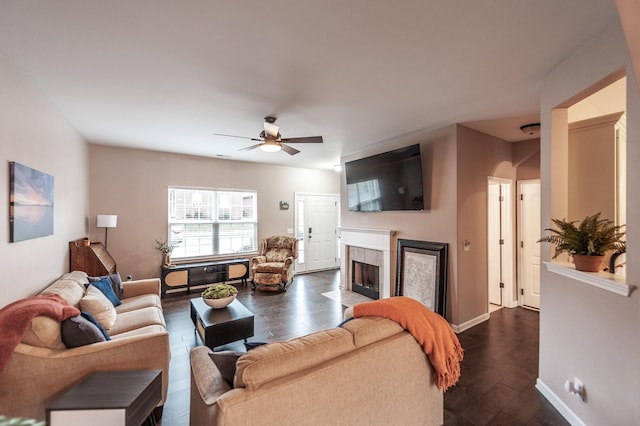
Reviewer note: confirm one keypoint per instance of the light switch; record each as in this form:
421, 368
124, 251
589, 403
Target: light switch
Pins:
290, 231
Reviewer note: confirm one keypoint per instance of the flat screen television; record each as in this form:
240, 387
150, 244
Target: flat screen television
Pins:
388, 181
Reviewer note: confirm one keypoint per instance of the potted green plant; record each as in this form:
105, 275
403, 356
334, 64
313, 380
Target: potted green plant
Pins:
587, 242
219, 295
164, 247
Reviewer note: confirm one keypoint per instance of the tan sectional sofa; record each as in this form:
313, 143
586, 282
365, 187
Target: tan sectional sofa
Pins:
369, 371
41, 368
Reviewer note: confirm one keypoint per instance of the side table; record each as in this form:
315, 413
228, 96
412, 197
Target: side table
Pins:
109, 398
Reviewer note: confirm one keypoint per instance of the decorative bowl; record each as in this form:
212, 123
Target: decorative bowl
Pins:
219, 303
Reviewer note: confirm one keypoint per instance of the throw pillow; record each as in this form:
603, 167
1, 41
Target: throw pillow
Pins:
90, 318
104, 285
226, 363
97, 304
116, 282
78, 331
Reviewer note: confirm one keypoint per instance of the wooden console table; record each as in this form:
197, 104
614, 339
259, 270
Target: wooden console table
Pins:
193, 274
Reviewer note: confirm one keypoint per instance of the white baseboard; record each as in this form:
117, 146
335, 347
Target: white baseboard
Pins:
558, 404
511, 304
468, 324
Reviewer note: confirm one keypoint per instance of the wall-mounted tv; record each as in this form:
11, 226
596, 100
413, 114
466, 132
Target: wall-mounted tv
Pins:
388, 181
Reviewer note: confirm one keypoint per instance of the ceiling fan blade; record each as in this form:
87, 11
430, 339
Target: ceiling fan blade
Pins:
250, 147
309, 139
289, 149
241, 137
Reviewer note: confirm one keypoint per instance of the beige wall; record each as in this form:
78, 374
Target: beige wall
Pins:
526, 158
456, 164
34, 133
133, 184
436, 224
592, 167
479, 156
586, 332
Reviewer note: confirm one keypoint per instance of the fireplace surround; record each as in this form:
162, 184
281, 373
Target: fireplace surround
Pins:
372, 246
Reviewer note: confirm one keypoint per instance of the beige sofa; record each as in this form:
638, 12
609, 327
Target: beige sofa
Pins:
41, 368
367, 372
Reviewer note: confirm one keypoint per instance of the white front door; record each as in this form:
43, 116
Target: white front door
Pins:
317, 225
529, 230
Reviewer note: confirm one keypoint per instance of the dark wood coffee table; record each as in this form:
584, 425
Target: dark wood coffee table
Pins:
218, 327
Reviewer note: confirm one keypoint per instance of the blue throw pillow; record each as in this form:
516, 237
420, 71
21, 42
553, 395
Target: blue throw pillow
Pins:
116, 282
104, 285
90, 318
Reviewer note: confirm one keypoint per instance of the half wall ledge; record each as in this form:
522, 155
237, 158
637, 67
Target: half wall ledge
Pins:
609, 282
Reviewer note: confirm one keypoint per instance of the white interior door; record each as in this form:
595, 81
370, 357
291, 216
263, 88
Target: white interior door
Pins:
317, 226
493, 244
529, 231
500, 243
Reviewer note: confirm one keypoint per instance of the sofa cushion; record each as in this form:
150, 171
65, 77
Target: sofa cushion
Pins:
44, 332
277, 254
99, 306
67, 287
79, 331
114, 279
104, 285
367, 330
269, 267
273, 360
139, 302
147, 330
128, 321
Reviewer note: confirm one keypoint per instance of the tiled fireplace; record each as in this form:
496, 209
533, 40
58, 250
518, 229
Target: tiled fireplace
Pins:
371, 247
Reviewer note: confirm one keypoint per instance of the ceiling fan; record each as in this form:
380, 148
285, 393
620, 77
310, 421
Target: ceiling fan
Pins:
270, 139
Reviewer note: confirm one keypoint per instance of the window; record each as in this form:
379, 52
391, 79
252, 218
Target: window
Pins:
207, 222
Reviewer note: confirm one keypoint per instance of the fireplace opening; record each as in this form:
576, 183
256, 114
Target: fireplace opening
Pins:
365, 279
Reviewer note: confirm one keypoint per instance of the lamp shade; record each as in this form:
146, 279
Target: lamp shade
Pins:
106, 221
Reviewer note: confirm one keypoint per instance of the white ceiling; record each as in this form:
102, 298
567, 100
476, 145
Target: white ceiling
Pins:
167, 75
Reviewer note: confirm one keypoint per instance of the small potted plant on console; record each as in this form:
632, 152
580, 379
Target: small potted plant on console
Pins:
219, 296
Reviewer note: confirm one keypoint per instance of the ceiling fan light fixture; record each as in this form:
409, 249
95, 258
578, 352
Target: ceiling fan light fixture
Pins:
270, 146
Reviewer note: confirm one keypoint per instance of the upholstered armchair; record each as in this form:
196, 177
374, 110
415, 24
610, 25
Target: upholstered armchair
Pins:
273, 268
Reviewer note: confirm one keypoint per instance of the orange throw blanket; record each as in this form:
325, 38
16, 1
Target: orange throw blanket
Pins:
431, 330
16, 317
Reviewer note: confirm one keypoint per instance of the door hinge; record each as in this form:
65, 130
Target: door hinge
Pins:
501, 242
501, 198
501, 285
521, 244
521, 197
522, 291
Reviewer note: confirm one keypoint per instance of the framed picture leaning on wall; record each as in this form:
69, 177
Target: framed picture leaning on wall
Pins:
421, 273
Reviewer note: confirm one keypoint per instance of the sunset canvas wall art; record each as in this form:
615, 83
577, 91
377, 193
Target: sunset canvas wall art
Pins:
30, 203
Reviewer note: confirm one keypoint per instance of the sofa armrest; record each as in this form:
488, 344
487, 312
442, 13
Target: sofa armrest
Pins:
288, 262
140, 287
207, 385
34, 376
258, 260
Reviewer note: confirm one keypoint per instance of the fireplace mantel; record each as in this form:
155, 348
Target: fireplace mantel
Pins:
374, 239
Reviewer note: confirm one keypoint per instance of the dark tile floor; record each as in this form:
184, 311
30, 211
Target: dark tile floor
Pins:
498, 372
